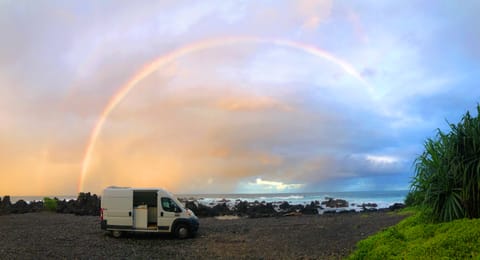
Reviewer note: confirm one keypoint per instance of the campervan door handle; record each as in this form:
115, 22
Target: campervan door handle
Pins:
129, 213
161, 214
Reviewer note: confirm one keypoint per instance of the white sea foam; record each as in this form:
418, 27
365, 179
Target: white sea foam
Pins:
283, 198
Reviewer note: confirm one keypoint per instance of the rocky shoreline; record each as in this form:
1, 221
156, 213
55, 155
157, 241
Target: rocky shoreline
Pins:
86, 204
282, 208
89, 204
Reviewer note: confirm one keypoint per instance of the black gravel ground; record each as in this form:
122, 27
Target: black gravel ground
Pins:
48, 235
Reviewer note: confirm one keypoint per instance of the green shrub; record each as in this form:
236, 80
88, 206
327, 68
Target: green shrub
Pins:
414, 198
418, 238
447, 174
50, 204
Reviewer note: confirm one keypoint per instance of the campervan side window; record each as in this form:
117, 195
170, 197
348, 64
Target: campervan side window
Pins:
169, 205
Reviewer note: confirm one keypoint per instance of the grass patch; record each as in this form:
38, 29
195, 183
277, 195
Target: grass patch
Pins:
416, 237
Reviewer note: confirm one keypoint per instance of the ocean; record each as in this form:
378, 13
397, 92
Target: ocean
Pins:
383, 199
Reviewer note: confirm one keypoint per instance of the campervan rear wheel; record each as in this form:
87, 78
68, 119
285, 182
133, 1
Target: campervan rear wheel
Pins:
182, 231
116, 233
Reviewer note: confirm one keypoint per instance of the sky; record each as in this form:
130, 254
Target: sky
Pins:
229, 96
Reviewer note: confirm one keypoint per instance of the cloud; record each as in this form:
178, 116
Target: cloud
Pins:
357, 25
252, 104
313, 12
381, 159
260, 184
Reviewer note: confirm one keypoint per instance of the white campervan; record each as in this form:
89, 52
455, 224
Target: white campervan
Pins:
145, 210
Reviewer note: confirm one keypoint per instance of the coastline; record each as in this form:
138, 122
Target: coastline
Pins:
380, 197
251, 205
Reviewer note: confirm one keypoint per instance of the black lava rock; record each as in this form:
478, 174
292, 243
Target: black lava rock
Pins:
397, 206
20, 207
310, 209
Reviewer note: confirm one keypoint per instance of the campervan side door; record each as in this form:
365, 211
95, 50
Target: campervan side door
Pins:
118, 208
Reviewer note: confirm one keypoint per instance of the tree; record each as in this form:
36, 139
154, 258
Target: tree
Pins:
447, 174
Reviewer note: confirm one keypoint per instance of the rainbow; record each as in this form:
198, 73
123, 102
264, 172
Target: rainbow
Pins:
150, 67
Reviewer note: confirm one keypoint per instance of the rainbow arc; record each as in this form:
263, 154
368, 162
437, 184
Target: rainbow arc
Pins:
165, 59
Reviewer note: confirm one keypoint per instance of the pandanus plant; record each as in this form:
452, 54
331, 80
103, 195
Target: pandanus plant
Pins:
447, 173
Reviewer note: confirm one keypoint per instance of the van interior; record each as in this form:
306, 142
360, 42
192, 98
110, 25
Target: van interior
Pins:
145, 205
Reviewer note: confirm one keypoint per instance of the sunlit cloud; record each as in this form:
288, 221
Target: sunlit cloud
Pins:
273, 185
252, 104
313, 12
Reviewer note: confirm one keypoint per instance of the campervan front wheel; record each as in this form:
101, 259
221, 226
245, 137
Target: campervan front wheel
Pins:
182, 231
116, 233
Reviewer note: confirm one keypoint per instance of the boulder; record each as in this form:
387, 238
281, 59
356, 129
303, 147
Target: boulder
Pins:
66, 207
369, 209
191, 205
36, 205
204, 211
241, 208
289, 208
221, 209
5, 205
369, 206
20, 207
87, 204
6, 202
261, 210
335, 203
397, 206
297, 207
310, 209
284, 206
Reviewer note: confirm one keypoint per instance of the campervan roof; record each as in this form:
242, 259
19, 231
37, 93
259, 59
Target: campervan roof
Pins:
138, 189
